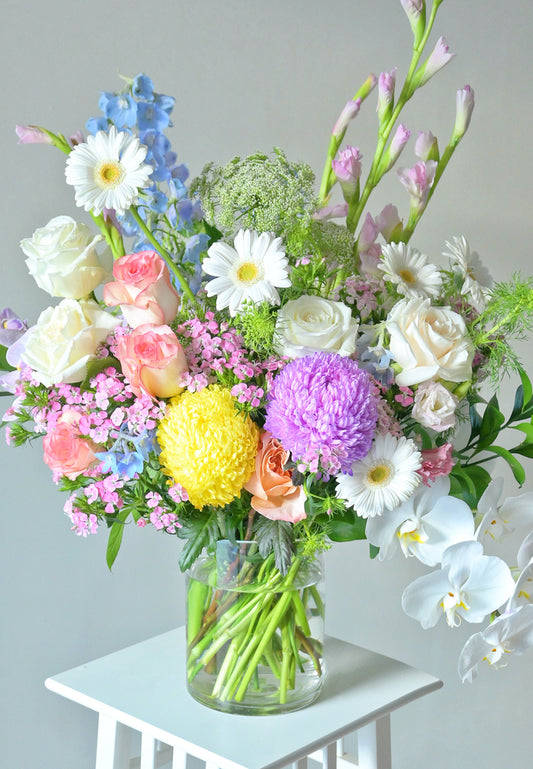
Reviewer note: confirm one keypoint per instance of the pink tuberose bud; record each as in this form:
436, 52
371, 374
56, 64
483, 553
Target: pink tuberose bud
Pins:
386, 85
464, 108
426, 146
438, 58
350, 110
32, 134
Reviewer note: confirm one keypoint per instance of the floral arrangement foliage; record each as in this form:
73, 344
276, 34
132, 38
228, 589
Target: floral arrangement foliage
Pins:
254, 356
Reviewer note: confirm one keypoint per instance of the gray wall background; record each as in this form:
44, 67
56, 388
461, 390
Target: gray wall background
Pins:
247, 75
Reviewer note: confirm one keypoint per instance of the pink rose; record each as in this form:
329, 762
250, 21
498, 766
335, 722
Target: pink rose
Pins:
65, 451
436, 462
274, 495
152, 360
143, 289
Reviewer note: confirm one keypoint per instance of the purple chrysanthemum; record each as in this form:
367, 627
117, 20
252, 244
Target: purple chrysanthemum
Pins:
322, 409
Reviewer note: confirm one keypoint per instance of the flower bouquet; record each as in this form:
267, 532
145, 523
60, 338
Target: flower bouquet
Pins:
261, 366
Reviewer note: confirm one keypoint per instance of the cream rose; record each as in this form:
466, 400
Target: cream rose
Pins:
310, 323
64, 260
434, 406
429, 343
65, 339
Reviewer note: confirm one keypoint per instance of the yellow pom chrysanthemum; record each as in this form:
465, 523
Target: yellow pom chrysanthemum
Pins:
207, 446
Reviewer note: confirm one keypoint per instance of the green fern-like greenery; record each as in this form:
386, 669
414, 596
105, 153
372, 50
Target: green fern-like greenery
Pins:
508, 317
256, 324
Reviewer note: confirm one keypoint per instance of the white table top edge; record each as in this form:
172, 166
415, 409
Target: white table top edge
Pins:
422, 684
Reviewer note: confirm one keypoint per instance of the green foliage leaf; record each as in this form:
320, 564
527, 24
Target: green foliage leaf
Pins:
517, 469
4, 365
373, 550
491, 424
527, 428
275, 537
198, 533
115, 538
351, 526
475, 423
527, 387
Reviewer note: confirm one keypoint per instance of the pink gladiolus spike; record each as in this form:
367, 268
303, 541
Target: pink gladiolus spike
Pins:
386, 85
32, 134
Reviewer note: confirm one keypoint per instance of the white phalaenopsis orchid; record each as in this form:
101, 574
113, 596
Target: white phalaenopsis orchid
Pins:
523, 592
500, 520
511, 632
469, 585
424, 526
525, 551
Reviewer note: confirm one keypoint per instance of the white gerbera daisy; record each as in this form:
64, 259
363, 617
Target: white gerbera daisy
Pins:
414, 276
107, 171
477, 280
249, 272
385, 478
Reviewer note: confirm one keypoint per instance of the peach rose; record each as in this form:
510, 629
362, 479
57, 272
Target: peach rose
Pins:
143, 289
274, 495
65, 451
152, 360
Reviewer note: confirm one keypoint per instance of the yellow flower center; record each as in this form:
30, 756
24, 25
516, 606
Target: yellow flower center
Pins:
247, 272
109, 174
378, 474
407, 276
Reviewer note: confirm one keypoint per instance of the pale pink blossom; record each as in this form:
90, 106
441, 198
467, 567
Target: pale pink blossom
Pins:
464, 108
435, 406
339, 210
417, 181
388, 222
143, 289
348, 113
32, 134
436, 462
347, 169
438, 58
386, 85
426, 146
153, 361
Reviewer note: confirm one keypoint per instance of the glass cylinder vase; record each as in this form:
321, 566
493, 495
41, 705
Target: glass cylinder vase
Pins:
254, 636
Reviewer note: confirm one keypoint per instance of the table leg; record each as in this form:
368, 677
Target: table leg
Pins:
179, 758
113, 743
374, 746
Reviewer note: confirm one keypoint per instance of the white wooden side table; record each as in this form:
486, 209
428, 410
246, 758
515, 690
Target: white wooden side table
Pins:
141, 689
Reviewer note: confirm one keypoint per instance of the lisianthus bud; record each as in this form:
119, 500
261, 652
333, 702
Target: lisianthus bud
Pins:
464, 108
426, 146
386, 84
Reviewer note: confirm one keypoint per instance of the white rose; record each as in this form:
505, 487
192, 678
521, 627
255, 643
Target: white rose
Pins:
310, 323
429, 343
65, 339
63, 259
434, 406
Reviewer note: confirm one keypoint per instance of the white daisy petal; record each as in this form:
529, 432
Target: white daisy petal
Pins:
249, 272
382, 480
410, 271
107, 171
